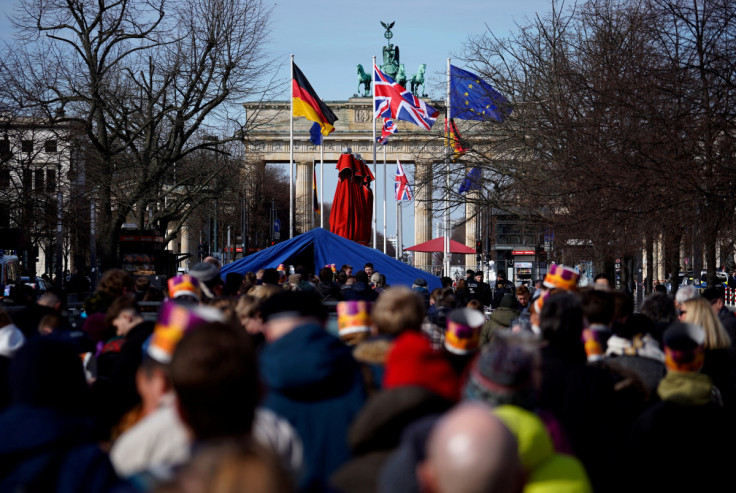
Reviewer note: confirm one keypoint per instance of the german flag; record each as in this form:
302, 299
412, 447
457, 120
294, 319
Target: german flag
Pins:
453, 140
308, 105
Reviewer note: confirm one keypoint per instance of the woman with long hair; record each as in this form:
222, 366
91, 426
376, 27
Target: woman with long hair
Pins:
720, 364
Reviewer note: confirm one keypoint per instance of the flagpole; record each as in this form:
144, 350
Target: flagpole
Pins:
398, 212
448, 231
375, 171
291, 153
322, 184
385, 191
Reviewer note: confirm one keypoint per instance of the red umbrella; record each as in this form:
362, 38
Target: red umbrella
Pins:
438, 245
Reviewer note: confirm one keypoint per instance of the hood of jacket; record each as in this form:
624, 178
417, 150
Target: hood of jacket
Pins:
308, 364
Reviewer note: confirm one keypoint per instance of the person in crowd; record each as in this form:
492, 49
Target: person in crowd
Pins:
685, 293
462, 293
660, 308
418, 382
233, 282
347, 269
601, 281
360, 289
501, 318
230, 466
720, 364
523, 298
312, 380
687, 431
378, 281
368, 268
441, 302
11, 340
48, 441
481, 291
598, 309
208, 275
113, 283
544, 468
633, 346
327, 289
462, 337
142, 283
420, 286
501, 288
488, 460
394, 312
716, 296
579, 396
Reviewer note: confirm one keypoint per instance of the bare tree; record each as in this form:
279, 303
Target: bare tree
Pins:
148, 82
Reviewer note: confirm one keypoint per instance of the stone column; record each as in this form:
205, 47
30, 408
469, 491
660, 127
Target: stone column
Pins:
422, 212
471, 224
187, 246
303, 210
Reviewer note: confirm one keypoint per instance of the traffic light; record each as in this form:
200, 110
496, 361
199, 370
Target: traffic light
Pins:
478, 246
202, 249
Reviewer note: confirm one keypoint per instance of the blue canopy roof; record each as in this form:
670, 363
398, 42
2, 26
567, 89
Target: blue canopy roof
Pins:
330, 248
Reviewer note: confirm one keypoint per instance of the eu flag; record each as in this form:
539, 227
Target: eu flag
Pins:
471, 98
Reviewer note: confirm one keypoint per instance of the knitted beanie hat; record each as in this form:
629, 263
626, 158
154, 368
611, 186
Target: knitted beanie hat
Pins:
412, 361
503, 373
683, 347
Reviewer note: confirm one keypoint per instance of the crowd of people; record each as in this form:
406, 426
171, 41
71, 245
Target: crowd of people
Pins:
339, 382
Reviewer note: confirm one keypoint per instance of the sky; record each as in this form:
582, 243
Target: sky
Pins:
328, 38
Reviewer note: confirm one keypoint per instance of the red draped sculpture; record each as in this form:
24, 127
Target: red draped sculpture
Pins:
352, 208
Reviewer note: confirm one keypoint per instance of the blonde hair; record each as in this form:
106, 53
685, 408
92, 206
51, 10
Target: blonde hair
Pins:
698, 311
264, 291
398, 309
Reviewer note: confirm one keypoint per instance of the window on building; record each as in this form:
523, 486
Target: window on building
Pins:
26, 145
4, 177
27, 179
50, 146
4, 148
50, 180
39, 179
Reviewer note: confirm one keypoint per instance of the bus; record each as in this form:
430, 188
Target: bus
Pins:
9, 272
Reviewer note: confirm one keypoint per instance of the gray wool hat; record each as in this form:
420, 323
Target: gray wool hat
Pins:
204, 271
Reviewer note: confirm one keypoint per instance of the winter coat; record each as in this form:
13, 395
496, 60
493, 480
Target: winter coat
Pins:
593, 414
376, 433
546, 470
682, 442
46, 450
312, 380
500, 319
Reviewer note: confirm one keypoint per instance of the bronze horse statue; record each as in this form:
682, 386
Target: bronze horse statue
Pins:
365, 81
418, 80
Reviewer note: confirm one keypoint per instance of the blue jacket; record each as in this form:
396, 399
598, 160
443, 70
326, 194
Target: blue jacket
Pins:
312, 381
44, 450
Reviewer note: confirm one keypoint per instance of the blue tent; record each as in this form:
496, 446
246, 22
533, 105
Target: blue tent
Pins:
319, 247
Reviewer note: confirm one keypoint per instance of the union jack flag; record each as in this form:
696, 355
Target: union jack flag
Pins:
389, 127
394, 101
401, 187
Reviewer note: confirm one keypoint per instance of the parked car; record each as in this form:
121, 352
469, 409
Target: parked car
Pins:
39, 285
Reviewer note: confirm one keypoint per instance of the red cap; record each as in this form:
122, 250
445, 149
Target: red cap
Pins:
412, 361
